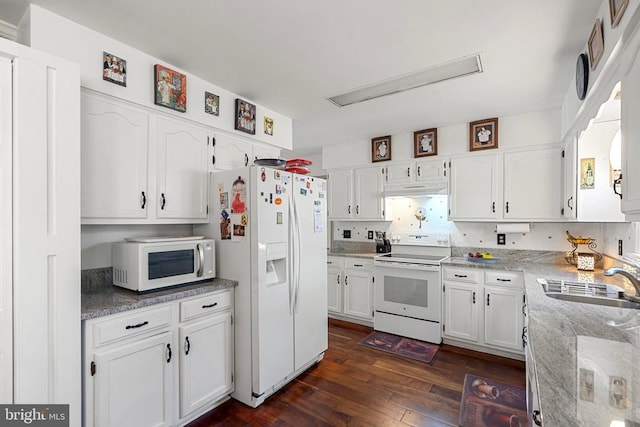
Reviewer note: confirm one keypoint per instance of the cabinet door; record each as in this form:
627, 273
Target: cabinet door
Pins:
533, 184
334, 287
181, 170
133, 384
569, 201
630, 111
231, 153
340, 194
358, 295
368, 193
474, 188
206, 361
461, 310
431, 170
114, 150
399, 173
503, 317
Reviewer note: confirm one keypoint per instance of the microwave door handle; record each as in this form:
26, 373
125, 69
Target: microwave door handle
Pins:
200, 260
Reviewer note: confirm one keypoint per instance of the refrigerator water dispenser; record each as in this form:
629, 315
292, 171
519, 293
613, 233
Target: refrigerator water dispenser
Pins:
276, 263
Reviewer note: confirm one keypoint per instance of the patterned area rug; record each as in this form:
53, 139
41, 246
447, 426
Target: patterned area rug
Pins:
489, 403
395, 344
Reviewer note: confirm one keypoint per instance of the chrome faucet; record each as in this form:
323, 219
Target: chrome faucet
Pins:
635, 281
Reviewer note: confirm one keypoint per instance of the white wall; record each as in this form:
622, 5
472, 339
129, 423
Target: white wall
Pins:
51, 33
519, 131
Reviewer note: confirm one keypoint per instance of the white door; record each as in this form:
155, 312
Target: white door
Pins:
115, 150
570, 178
630, 111
340, 194
6, 277
461, 315
474, 188
181, 170
368, 193
399, 173
334, 286
431, 170
230, 152
533, 184
358, 298
309, 285
272, 305
503, 317
206, 361
133, 383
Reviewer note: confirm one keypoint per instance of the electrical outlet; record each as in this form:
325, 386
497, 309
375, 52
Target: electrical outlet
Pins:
620, 247
346, 234
502, 239
370, 234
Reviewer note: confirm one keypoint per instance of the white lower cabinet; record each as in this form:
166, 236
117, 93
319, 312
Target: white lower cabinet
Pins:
158, 366
483, 310
350, 289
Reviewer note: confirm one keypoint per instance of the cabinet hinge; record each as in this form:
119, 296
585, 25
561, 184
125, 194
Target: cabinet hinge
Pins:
443, 328
213, 141
232, 378
93, 368
442, 288
563, 154
561, 211
213, 160
207, 209
231, 320
373, 279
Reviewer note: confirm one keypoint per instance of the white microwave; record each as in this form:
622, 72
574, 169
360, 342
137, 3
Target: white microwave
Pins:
145, 264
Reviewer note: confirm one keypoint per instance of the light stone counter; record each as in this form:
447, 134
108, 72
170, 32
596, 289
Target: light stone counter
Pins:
573, 343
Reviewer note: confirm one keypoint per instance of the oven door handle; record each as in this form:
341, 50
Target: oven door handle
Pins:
406, 266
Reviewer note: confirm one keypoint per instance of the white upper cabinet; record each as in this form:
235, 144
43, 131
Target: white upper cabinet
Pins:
519, 185
115, 145
474, 182
230, 152
140, 167
533, 184
356, 194
630, 111
419, 171
181, 170
569, 208
431, 170
399, 173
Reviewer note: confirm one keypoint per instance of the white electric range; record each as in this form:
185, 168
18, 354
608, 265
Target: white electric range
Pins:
408, 289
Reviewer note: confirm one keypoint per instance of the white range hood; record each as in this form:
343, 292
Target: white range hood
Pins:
416, 189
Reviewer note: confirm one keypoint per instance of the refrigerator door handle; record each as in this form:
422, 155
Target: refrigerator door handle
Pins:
296, 255
291, 252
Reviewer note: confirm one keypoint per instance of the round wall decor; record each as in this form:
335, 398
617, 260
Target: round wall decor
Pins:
582, 75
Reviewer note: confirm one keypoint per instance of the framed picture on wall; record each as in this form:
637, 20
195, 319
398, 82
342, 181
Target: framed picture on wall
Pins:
268, 125
596, 44
245, 116
483, 134
114, 69
170, 88
381, 148
425, 143
211, 103
616, 10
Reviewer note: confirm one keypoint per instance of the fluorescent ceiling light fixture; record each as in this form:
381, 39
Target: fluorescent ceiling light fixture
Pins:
449, 70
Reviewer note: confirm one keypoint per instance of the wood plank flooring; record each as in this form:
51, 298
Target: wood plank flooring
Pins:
359, 386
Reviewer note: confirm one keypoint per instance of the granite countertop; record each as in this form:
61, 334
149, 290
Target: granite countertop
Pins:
582, 352
98, 301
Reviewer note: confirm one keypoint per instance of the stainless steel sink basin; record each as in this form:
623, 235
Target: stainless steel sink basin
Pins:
588, 293
611, 302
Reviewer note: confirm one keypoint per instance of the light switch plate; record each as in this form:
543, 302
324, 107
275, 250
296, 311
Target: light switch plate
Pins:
502, 239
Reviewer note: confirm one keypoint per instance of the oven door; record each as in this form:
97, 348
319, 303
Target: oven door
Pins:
411, 290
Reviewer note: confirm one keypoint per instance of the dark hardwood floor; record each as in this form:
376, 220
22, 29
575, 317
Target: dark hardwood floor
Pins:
358, 386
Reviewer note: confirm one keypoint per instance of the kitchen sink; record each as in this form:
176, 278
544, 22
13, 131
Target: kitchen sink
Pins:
588, 293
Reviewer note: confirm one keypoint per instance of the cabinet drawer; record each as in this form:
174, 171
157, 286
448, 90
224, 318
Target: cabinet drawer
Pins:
355, 264
467, 275
137, 322
504, 278
204, 305
335, 262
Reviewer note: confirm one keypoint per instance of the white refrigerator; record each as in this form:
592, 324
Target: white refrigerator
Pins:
270, 228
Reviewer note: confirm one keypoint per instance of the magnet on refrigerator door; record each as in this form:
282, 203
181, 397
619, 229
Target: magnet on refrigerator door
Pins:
239, 195
224, 200
303, 191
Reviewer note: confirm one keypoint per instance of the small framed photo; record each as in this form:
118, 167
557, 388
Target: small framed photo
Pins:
245, 116
211, 103
616, 10
425, 143
381, 148
114, 69
483, 134
170, 88
596, 44
268, 125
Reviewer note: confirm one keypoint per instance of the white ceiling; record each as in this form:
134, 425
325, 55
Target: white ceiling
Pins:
290, 55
